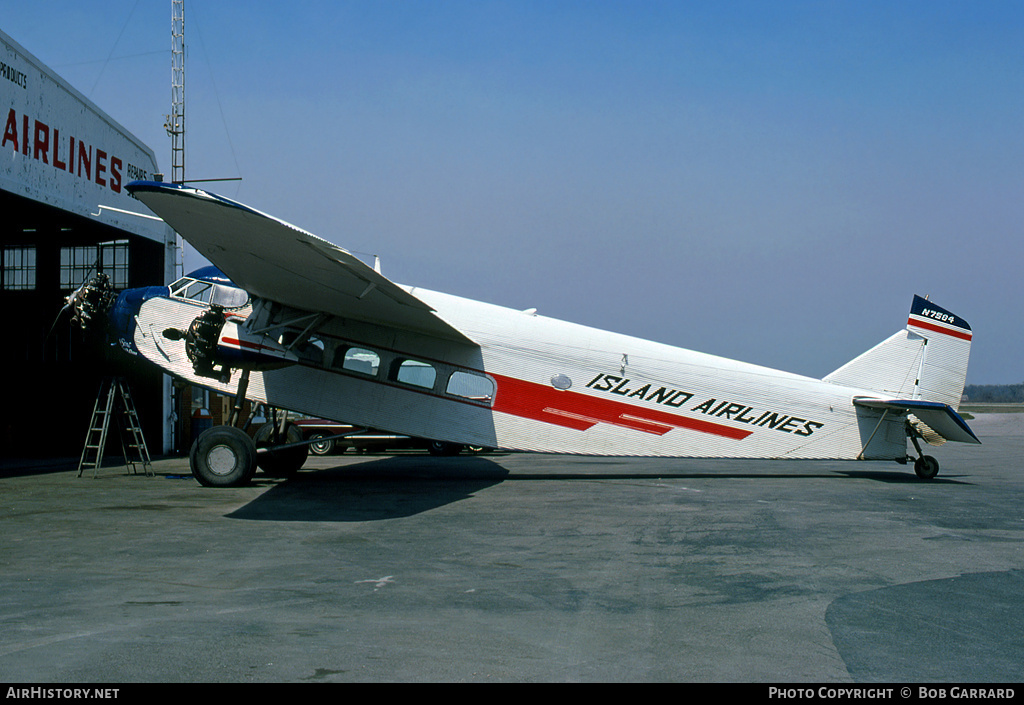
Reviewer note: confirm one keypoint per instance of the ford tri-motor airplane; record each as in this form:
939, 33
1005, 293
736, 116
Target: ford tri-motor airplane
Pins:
296, 323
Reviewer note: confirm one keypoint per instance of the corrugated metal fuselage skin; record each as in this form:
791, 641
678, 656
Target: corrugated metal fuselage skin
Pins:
557, 387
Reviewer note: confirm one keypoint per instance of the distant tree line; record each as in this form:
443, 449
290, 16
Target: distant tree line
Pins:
995, 393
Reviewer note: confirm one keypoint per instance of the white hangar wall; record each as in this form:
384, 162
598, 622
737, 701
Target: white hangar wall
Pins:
62, 150
64, 209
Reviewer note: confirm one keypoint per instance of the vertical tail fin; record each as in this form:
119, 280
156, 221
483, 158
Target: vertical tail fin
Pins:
947, 350
926, 361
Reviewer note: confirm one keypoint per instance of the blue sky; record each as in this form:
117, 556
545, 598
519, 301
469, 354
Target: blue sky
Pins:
768, 181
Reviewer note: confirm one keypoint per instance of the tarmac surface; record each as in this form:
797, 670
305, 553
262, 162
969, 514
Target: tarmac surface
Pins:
521, 568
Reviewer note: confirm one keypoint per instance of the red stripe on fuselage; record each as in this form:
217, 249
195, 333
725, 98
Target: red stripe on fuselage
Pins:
582, 411
245, 344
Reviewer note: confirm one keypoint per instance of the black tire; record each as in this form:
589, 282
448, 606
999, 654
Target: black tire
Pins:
322, 446
442, 449
223, 456
282, 463
926, 467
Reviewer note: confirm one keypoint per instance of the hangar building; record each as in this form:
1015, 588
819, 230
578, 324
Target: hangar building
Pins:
64, 165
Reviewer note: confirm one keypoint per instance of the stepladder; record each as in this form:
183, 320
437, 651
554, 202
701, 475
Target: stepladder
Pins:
114, 404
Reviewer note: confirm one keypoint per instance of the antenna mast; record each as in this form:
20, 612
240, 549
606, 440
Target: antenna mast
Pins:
175, 124
176, 120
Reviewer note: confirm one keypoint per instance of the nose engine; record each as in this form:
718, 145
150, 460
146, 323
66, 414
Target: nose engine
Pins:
216, 343
201, 342
91, 303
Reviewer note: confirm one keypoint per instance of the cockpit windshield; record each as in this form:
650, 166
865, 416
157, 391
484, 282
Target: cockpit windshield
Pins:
209, 293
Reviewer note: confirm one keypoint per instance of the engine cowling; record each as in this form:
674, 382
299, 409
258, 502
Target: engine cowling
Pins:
216, 343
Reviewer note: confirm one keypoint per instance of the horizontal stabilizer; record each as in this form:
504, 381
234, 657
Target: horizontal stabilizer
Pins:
941, 418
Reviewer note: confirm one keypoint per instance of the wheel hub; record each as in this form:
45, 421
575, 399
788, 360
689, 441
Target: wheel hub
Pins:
222, 460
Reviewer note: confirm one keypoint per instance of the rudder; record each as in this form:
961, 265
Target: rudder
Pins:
926, 361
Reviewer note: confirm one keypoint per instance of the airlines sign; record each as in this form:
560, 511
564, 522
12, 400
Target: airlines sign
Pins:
58, 148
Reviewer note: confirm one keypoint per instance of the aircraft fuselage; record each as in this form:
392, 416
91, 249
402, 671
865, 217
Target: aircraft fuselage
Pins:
533, 383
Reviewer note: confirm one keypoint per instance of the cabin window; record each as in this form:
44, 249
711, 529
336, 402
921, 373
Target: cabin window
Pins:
414, 373
470, 385
310, 351
228, 296
360, 360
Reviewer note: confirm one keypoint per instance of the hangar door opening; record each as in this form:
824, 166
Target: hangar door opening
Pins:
53, 368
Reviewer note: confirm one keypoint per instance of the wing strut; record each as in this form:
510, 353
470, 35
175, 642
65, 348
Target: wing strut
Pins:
860, 456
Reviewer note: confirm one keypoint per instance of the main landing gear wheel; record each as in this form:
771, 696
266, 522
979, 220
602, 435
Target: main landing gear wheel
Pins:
926, 467
442, 449
280, 463
223, 456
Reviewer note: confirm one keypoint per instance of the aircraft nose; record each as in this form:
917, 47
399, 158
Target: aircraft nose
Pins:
126, 307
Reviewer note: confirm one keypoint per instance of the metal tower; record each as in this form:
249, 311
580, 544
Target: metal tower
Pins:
176, 120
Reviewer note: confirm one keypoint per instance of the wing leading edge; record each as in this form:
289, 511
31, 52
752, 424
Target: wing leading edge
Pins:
274, 260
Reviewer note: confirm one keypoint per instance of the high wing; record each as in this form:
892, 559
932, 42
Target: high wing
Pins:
274, 260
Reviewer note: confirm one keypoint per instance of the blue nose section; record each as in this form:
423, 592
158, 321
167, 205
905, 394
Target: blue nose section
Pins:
125, 308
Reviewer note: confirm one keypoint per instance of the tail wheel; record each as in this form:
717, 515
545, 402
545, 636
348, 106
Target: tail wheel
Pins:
926, 467
223, 456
